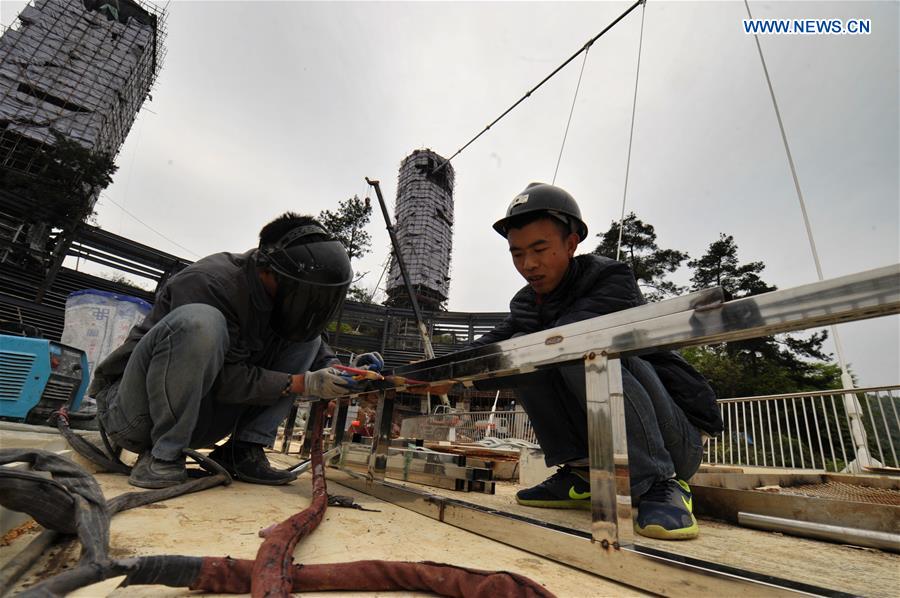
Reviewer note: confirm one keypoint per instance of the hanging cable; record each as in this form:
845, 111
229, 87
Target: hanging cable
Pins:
584, 48
569, 121
790, 159
637, 76
115, 203
387, 262
850, 402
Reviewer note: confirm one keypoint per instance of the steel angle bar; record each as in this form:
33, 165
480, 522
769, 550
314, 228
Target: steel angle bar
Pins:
412, 454
660, 326
438, 481
652, 570
400, 462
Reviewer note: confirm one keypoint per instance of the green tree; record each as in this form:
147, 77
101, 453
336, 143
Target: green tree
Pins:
348, 225
62, 183
360, 295
760, 366
649, 263
719, 267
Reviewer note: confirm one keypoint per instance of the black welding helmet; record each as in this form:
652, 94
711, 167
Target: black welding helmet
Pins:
313, 277
552, 200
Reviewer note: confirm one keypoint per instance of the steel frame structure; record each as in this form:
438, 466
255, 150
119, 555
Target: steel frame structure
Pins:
609, 549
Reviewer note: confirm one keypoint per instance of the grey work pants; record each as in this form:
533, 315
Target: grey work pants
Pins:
661, 440
164, 400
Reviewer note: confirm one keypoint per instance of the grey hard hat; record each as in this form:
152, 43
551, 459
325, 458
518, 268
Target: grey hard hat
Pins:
541, 197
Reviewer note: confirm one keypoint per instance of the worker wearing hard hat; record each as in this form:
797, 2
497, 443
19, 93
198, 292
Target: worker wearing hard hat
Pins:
669, 407
230, 342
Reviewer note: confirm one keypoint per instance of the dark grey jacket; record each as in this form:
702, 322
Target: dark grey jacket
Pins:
230, 283
594, 286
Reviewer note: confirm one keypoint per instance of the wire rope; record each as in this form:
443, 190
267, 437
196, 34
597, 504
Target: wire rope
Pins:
569, 121
637, 76
115, 203
538, 86
809, 233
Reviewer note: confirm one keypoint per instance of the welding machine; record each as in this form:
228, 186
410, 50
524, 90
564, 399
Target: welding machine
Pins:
38, 376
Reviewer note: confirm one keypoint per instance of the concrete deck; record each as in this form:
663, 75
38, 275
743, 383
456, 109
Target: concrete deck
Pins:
851, 569
226, 521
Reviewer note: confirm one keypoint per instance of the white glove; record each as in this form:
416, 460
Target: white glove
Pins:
327, 383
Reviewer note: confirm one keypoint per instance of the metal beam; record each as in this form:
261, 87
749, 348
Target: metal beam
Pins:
697, 319
671, 325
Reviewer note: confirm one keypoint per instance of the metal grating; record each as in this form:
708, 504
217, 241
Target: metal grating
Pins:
14, 371
59, 391
847, 492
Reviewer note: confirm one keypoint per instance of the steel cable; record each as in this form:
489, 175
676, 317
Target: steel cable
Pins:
637, 76
584, 48
569, 120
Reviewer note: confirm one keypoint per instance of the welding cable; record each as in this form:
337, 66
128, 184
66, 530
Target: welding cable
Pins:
87, 450
72, 502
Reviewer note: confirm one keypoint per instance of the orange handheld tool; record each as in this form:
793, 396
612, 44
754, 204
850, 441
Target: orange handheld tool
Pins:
359, 374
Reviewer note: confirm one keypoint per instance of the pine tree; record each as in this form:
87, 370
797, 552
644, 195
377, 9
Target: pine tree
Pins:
62, 183
649, 263
759, 366
348, 225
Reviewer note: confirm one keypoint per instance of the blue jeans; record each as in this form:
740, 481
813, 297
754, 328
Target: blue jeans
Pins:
662, 442
167, 399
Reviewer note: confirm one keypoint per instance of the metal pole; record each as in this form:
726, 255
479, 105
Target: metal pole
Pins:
822, 531
426, 340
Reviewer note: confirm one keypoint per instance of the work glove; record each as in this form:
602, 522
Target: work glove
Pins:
368, 361
328, 383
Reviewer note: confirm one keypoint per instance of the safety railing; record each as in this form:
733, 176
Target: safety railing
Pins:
813, 430
469, 426
609, 548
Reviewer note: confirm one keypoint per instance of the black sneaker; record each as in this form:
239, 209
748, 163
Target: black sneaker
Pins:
665, 512
247, 462
150, 472
568, 488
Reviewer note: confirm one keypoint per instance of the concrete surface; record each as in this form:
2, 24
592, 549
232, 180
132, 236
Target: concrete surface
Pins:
225, 521
860, 571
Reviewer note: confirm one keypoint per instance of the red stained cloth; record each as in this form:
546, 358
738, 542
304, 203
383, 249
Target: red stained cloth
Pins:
227, 575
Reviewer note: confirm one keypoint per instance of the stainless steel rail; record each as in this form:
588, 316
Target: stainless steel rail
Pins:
696, 319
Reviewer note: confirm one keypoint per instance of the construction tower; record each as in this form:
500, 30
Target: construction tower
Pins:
423, 217
72, 70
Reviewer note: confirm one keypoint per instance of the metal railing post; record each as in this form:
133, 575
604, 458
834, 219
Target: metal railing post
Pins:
381, 443
611, 524
857, 429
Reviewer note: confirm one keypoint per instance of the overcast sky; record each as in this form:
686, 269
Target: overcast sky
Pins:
263, 107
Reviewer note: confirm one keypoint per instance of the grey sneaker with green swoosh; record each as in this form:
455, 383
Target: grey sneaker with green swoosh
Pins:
665, 512
568, 488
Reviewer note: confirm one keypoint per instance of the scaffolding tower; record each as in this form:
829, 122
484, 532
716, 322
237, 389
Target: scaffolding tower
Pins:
423, 216
74, 70
81, 68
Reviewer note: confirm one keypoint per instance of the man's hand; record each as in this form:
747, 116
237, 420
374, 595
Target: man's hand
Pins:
327, 383
369, 361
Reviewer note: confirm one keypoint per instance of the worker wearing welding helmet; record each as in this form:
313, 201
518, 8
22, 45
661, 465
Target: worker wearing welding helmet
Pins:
230, 343
669, 407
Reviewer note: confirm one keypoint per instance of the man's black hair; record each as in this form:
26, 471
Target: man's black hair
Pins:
285, 223
523, 220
